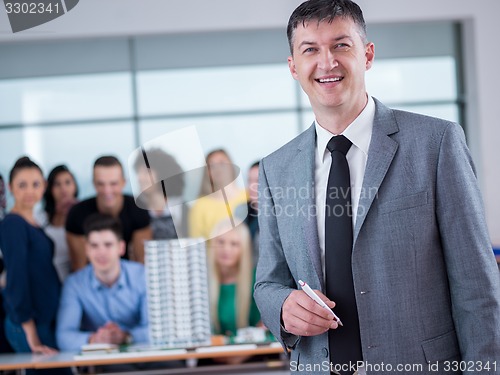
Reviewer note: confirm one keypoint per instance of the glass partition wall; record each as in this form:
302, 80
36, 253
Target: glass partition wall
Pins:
72, 101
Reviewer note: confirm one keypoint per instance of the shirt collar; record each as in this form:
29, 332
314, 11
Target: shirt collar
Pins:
359, 132
98, 285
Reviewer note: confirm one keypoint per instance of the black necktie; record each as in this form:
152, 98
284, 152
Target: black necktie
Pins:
345, 343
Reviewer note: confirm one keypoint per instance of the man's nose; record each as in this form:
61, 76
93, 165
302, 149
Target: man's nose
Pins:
327, 60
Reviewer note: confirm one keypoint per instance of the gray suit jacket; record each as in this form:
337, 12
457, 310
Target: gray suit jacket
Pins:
426, 282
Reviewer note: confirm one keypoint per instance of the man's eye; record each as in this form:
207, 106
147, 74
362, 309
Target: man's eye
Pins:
341, 45
309, 50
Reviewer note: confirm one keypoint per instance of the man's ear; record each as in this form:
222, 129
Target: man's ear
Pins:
123, 246
370, 55
291, 66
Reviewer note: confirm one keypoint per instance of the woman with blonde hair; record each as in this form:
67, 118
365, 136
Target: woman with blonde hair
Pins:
231, 279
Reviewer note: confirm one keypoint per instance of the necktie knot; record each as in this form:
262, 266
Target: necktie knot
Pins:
339, 143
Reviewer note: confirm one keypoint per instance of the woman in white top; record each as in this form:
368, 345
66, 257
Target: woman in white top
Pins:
59, 197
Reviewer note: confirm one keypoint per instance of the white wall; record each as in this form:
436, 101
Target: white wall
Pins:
94, 18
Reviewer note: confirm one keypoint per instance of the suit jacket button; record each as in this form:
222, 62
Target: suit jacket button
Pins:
325, 352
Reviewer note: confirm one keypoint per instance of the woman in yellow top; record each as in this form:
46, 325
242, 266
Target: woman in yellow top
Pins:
220, 197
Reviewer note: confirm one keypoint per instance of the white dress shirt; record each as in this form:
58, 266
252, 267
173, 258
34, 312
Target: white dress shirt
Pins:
359, 132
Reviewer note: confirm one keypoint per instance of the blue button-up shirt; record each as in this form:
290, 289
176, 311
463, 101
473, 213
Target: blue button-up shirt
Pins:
87, 304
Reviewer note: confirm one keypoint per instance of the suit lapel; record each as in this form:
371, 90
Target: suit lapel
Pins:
303, 169
380, 155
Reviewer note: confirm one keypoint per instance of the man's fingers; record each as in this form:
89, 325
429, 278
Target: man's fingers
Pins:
301, 327
310, 305
112, 325
310, 322
303, 316
102, 336
325, 299
298, 301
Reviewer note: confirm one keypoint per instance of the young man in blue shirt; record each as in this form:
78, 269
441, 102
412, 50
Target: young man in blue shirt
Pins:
105, 302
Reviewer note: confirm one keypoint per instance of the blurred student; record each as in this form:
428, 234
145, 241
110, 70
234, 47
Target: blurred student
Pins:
231, 279
219, 196
4, 345
109, 182
231, 282
167, 213
252, 220
3, 199
59, 197
105, 302
33, 287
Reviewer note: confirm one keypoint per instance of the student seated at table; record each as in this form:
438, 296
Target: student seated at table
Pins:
231, 281
105, 302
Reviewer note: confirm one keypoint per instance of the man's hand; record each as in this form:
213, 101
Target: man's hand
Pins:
303, 317
110, 333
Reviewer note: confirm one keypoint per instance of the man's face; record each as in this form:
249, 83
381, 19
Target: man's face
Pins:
109, 184
104, 250
329, 60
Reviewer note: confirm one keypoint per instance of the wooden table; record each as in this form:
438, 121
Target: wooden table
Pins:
36, 361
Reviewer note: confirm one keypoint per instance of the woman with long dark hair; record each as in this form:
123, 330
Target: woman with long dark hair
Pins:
59, 197
33, 287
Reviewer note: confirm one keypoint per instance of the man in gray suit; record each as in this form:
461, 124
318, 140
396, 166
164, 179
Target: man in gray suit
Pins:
423, 279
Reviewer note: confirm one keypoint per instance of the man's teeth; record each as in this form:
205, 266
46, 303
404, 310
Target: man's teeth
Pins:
325, 80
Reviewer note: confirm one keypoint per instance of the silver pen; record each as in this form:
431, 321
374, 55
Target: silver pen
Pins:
307, 289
